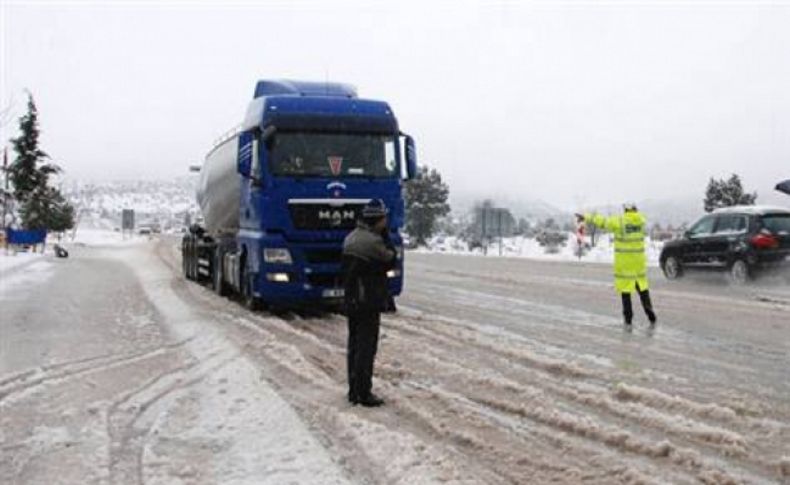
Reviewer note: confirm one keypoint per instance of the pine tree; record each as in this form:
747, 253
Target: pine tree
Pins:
426, 201
47, 209
726, 193
28, 171
40, 206
61, 216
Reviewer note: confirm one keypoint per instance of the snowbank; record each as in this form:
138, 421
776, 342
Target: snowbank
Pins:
10, 260
16, 283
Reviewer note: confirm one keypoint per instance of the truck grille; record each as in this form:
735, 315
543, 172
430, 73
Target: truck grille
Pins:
323, 256
325, 216
325, 280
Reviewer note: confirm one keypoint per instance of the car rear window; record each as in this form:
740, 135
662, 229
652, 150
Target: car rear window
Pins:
777, 223
731, 224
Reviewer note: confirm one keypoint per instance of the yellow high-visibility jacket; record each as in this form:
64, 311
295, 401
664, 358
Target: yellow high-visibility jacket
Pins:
630, 261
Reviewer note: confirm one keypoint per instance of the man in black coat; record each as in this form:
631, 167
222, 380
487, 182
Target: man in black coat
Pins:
367, 256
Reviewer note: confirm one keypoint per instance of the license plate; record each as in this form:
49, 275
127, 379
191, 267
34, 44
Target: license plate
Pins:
333, 293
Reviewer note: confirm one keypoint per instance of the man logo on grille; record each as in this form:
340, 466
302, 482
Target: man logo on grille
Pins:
336, 217
335, 164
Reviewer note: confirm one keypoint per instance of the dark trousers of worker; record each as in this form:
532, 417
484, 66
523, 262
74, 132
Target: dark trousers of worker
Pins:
363, 341
644, 296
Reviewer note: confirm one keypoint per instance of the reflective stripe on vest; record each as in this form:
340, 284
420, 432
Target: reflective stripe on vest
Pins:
627, 239
630, 276
630, 250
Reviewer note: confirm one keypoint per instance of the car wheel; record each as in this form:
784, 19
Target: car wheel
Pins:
740, 272
672, 268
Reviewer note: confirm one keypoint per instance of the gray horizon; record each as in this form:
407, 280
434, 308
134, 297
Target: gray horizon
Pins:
573, 103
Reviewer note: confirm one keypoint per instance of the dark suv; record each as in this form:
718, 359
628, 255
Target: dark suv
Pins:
737, 239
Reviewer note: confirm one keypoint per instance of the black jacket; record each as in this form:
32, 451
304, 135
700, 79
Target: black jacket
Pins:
366, 259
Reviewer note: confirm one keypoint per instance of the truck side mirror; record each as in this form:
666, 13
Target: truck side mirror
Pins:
244, 157
256, 173
267, 137
411, 157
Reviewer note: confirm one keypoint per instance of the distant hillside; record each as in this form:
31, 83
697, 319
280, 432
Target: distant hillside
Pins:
665, 211
531, 209
165, 202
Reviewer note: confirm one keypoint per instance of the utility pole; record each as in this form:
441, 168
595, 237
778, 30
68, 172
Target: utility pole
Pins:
499, 214
483, 236
5, 187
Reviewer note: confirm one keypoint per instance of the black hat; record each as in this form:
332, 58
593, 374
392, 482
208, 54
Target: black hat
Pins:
375, 209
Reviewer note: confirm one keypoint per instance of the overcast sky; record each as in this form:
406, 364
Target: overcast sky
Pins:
570, 102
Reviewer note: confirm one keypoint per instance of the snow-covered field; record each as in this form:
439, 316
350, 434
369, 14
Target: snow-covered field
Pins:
524, 247
163, 201
103, 237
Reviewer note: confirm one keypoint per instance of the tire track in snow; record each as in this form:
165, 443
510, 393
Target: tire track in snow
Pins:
493, 384
729, 443
124, 416
31, 379
732, 440
493, 418
604, 338
447, 432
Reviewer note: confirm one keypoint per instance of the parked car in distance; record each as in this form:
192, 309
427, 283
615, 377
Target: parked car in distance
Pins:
740, 240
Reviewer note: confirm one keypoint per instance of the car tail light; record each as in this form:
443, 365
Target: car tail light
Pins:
764, 240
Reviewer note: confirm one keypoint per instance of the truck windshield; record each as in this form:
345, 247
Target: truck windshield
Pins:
295, 154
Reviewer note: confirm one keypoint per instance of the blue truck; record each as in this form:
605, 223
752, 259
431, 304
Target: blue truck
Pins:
279, 193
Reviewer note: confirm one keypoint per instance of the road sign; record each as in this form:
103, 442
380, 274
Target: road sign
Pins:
127, 220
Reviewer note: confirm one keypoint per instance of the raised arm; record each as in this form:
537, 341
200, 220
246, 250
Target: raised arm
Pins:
609, 224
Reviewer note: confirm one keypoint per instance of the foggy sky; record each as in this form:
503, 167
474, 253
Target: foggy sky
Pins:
567, 102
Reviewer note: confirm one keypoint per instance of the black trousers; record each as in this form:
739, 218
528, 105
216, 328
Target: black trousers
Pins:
363, 342
644, 296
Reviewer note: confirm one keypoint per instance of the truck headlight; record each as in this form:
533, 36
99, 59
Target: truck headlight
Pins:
393, 273
277, 256
278, 277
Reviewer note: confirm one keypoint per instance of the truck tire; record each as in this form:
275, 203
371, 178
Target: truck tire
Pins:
216, 274
185, 260
193, 263
248, 298
193, 274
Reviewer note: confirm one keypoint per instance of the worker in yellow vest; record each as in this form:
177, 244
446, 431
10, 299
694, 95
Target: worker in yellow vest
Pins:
630, 260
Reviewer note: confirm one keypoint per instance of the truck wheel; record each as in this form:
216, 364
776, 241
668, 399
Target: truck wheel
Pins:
216, 273
193, 264
672, 268
740, 273
185, 261
251, 302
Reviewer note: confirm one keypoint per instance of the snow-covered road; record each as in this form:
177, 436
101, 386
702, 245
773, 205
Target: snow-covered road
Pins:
108, 377
116, 370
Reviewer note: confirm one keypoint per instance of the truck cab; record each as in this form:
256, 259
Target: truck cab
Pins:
308, 157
